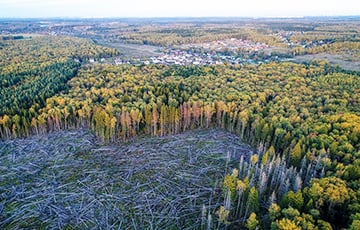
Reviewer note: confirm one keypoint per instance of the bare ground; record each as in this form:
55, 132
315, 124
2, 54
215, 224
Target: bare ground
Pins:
68, 180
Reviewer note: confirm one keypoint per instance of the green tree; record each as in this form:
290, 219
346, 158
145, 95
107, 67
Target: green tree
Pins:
284, 224
223, 215
323, 225
292, 199
331, 196
295, 155
290, 213
253, 202
274, 211
252, 223
355, 225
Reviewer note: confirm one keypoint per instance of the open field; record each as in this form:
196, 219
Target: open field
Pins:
68, 179
345, 62
134, 50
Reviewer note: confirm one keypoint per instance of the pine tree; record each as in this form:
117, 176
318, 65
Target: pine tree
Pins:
284, 224
253, 201
148, 119
274, 211
223, 215
252, 222
295, 155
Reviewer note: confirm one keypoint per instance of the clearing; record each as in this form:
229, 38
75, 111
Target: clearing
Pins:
68, 179
134, 50
346, 62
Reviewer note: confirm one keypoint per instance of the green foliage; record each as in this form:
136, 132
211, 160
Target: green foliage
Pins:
270, 153
315, 213
291, 199
253, 200
290, 213
252, 222
295, 155
328, 191
355, 225
230, 184
305, 221
297, 111
223, 215
284, 224
254, 159
33, 70
330, 196
352, 172
274, 211
323, 225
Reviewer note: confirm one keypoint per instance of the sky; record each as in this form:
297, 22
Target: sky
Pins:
177, 8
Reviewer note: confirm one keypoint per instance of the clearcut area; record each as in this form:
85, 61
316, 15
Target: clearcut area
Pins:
68, 179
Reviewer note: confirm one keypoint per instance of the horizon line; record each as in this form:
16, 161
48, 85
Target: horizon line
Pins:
184, 17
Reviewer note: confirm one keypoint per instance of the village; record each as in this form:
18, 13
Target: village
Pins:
231, 51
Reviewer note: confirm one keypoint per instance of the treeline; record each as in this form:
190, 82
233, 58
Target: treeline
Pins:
336, 38
347, 48
17, 56
173, 34
11, 37
304, 120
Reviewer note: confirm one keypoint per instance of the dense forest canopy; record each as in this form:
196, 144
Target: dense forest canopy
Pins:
31, 70
303, 119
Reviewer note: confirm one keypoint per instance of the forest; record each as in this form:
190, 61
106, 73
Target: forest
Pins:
301, 119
